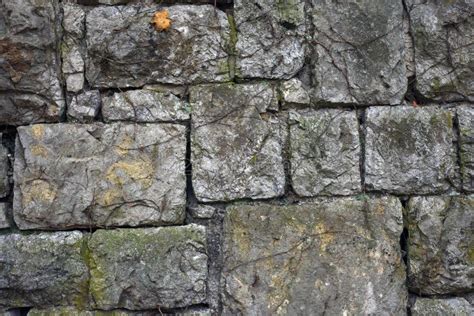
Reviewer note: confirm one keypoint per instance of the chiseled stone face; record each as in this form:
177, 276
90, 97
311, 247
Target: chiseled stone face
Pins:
236, 143
358, 52
45, 269
30, 90
325, 152
440, 245
465, 114
147, 268
269, 38
69, 175
125, 50
439, 307
340, 256
443, 32
144, 105
409, 150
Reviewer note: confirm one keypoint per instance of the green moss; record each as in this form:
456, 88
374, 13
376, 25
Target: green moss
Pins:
82, 300
290, 11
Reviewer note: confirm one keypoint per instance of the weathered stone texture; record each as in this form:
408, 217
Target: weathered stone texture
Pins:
236, 143
334, 256
46, 269
440, 245
293, 92
443, 33
409, 150
4, 221
442, 307
324, 152
84, 107
4, 169
465, 115
144, 106
71, 311
70, 175
124, 50
148, 268
269, 38
72, 46
358, 52
30, 90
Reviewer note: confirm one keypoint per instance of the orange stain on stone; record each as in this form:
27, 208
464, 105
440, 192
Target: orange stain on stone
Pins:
161, 20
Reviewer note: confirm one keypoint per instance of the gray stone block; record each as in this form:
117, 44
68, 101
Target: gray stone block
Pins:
465, 114
46, 269
358, 52
30, 89
440, 245
335, 256
324, 152
269, 38
84, 107
124, 50
409, 150
147, 268
236, 143
69, 175
442, 307
144, 106
443, 33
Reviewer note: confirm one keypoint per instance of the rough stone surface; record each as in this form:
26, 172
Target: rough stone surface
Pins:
443, 33
324, 152
269, 38
71, 311
440, 245
84, 107
70, 175
4, 168
126, 51
358, 52
4, 222
293, 92
465, 116
236, 142
72, 46
202, 211
442, 307
30, 90
409, 150
144, 106
46, 269
147, 268
335, 256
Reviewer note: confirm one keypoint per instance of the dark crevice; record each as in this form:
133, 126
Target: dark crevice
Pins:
362, 116
191, 200
404, 238
458, 149
59, 57
22, 311
286, 153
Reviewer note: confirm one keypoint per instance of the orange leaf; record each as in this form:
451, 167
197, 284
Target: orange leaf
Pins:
161, 20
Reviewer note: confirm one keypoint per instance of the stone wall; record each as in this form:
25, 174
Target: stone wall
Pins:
293, 157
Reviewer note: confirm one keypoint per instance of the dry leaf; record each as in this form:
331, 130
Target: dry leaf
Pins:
161, 20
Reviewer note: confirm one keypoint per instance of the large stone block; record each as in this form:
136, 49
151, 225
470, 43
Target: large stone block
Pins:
70, 175
71, 311
269, 37
443, 32
4, 170
409, 150
148, 268
440, 245
125, 50
358, 52
334, 256
236, 143
465, 115
144, 105
442, 307
46, 269
325, 152
30, 89
4, 220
